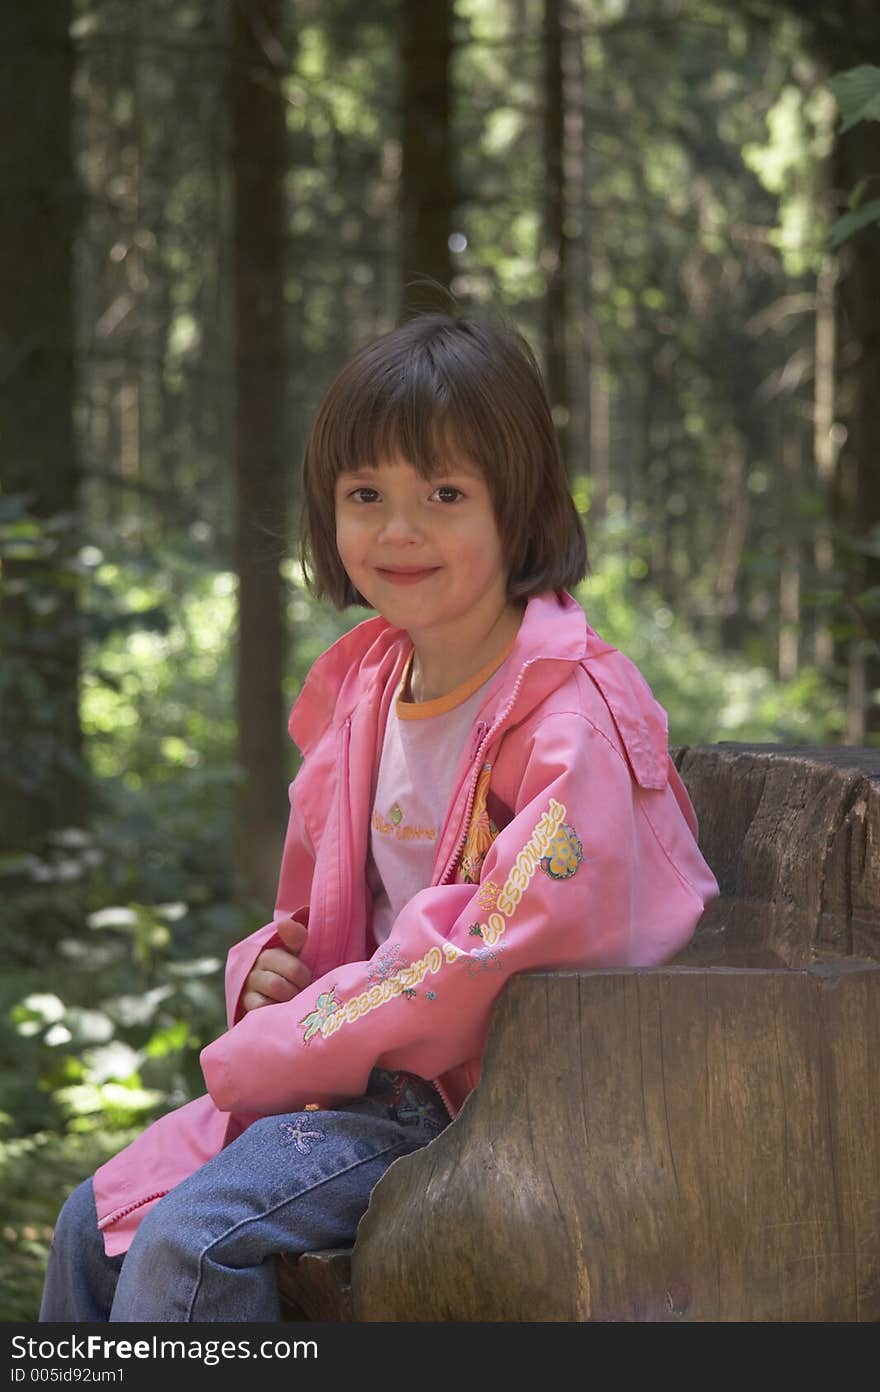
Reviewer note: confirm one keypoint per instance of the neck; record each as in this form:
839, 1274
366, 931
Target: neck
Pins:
438, 668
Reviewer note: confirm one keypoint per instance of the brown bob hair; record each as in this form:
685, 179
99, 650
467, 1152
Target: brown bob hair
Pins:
437, 388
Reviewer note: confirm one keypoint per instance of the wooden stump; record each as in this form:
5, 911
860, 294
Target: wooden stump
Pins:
793, 837
667, 1144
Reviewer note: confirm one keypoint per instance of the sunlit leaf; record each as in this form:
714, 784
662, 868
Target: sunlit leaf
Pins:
169, 1041
119, 916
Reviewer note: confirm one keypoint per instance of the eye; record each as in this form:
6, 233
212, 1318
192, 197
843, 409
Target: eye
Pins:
362, 495
447, 493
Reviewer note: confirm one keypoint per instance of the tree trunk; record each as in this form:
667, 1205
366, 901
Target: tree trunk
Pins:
845, 36
43, 780
554, 250
788, 648
824, 456
737, 510
257, 68
426, 183
586, 345
857, 156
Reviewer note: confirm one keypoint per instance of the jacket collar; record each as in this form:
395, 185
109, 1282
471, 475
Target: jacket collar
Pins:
553, 626
554, 635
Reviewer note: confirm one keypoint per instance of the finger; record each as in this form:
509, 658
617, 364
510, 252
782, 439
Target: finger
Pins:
252, 1000
275, 987
292, 933
283, 963
302, 977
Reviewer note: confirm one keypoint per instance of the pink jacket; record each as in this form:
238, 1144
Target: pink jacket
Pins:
567, 811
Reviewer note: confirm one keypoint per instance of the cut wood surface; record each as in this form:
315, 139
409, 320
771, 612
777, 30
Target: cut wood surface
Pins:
667, 1144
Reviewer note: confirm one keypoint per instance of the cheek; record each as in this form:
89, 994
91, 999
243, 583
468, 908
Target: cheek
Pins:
346, 542
483, 546
494, 563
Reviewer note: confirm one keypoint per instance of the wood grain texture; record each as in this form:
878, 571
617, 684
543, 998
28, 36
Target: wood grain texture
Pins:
666, 1144
793, 836
317, 1285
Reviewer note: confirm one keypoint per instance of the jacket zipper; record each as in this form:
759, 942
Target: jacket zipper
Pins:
489, 734
444, 1097
344, 830
123, 1212
480, 743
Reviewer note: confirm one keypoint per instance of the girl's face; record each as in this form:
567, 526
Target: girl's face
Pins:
425, 553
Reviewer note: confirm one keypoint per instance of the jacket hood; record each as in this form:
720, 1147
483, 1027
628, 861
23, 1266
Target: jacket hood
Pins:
553, 637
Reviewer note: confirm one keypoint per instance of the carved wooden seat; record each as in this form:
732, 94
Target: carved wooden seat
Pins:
699, 1141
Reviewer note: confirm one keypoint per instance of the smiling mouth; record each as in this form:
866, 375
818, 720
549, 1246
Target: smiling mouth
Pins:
408, 575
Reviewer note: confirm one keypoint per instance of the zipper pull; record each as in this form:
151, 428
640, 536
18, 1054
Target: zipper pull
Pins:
479, 735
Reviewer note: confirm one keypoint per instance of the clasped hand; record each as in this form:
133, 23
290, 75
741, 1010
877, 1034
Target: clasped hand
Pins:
278, 974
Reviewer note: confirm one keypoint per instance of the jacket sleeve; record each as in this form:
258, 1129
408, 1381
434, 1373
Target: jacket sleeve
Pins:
580, 878
295, 882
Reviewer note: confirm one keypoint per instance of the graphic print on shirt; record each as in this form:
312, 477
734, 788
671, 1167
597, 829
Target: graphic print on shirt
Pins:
396, 825
481, 832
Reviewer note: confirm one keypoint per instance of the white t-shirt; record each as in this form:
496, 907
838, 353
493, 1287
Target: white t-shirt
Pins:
420, 754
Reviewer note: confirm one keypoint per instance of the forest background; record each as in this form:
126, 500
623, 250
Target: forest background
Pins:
205, 208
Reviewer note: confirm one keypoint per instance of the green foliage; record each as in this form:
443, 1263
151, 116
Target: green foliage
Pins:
115, 938
709, 696
868, 215
857, 92
798, 138
38, 581
37, 1172
102, 1021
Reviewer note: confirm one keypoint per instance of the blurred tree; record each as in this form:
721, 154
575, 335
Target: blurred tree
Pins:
554, 257
259, 63
43, 782
844, 36
426, 184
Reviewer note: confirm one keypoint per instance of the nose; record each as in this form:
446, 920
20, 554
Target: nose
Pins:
400, 527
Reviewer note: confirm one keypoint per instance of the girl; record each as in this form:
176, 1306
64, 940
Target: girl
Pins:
486, 788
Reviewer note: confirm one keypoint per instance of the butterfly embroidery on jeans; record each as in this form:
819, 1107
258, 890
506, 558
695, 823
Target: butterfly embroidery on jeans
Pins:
295, 1135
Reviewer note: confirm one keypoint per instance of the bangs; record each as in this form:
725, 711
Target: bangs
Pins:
415, 415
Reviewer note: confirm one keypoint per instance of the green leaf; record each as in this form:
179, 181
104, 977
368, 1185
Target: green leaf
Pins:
846, 226
858, 194
170, 1040
857, 92
869, 600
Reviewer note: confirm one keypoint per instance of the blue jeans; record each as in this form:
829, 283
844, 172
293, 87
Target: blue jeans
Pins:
205, 1252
